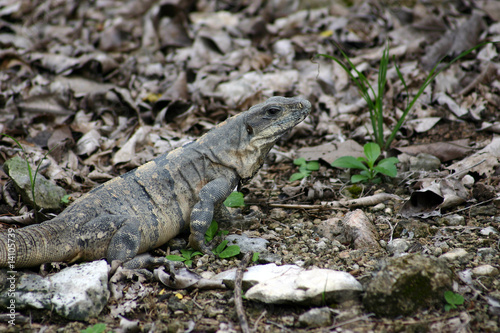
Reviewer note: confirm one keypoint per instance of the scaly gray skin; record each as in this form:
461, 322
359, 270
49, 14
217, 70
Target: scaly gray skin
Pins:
148, 206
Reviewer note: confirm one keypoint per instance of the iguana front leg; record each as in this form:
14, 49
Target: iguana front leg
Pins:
212, 195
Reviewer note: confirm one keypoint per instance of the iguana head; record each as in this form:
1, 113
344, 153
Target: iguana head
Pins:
242, 142
263, 124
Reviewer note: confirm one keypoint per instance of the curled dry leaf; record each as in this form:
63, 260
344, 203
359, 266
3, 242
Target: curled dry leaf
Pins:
491, 156
436, 194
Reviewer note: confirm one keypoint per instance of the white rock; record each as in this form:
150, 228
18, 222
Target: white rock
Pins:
306, 287
455, 254
488, 230
77, 292
248, 244
485, 270
258, 274
398, 245
468, 181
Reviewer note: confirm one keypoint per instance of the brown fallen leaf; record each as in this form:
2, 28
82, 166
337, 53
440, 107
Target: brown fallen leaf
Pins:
329, 152
485, 161
445, 151
455, 42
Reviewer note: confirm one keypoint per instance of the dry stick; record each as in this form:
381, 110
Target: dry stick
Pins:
238, 301
366, 201
469, 207
256, 324
25, 219
351, 321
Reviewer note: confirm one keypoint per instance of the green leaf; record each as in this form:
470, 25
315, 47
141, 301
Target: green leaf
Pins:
65, 199
359, 178
211, 231
297, 176
255, 256
453, 298
220, 247
391, 160
372, 152
303, 169
188, 263
230, 251
388, 169
188, 254
174, 257
235, 199
97, 328
349, 162
312, 166
299, 161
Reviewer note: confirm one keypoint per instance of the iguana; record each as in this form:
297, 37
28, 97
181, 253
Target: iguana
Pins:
131, 214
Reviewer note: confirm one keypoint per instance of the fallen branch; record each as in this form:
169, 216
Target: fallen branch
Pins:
238, 301
365, 201
25, 219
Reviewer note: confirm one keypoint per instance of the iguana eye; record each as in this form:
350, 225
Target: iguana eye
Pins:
273, 111
249, 129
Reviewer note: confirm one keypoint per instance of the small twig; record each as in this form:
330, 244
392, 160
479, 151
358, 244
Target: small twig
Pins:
256, 324
25, 219
469, 207
365, 201
351, 321
293, 206
463, 172
371, 200
238, 301
279, 325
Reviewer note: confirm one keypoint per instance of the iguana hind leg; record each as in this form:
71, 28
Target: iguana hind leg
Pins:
126, 241
114, 237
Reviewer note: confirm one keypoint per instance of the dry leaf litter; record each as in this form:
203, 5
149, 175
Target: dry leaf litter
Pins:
111, 84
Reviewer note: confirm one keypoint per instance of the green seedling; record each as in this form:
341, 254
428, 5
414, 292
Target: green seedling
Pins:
305, 168
187, 256
255, 256
65, 199
213, 231
97, 328
370, 169
224, 251
452, 300
375, 104
31, 174
235, 200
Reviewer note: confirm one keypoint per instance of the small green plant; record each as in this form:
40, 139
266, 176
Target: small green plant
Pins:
255, 256
65, 199
30, 171
224, 251
375, 105
213, 231
305, 168
235, 200
452, 300
97, 328
370, 170
187, 256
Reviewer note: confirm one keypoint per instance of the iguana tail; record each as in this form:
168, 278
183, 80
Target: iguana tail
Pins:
33, 245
